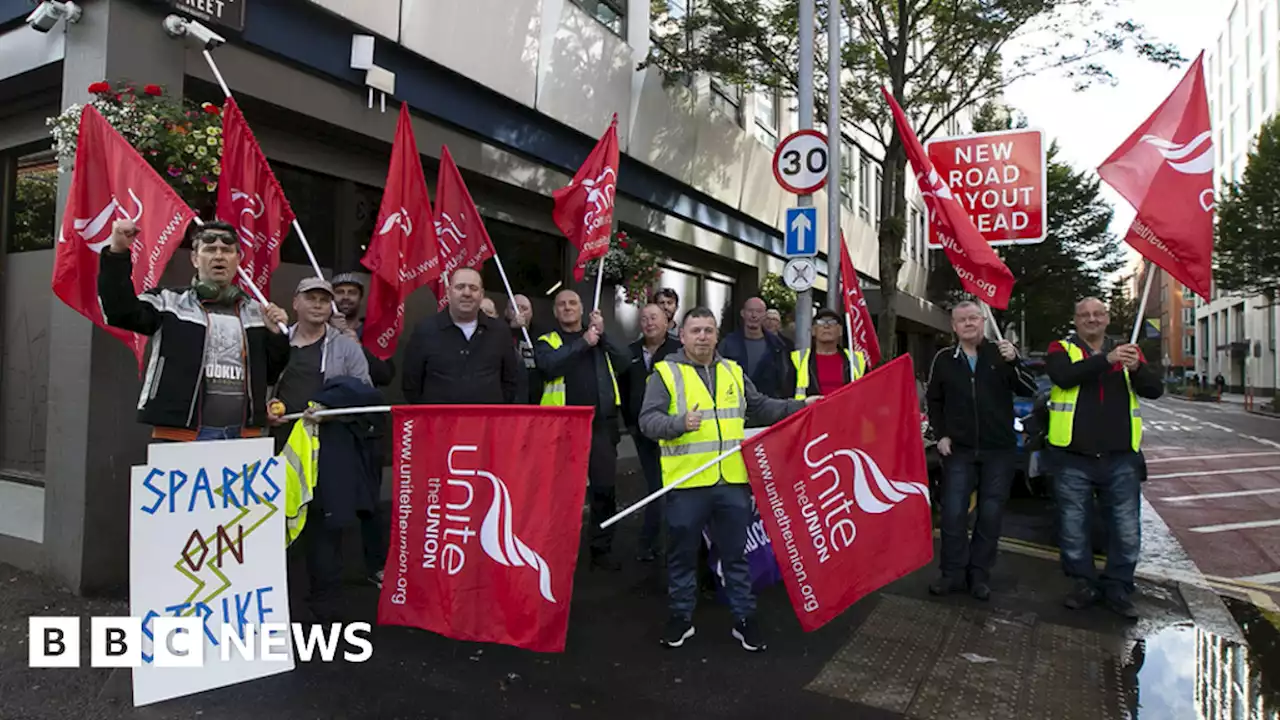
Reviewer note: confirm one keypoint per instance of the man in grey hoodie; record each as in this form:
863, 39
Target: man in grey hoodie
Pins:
697, 405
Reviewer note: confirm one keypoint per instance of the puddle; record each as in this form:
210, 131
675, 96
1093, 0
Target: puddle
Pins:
1185, 672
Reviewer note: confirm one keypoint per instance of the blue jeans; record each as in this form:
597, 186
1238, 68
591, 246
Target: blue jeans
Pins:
991, 472
727, 509
651, 465
1115, 477
231, 432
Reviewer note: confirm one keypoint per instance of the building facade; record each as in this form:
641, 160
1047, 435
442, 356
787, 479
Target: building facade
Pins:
1235, 336
519, 99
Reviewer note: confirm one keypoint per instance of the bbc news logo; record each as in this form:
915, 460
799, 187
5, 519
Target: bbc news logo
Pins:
54, 642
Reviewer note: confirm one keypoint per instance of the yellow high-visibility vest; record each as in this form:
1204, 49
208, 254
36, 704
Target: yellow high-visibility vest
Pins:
724, 422
553, 392
301, 455
1062, 407
857, 368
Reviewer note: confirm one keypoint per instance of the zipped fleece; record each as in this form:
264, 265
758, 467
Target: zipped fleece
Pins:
656, 424
975, 407
178, 324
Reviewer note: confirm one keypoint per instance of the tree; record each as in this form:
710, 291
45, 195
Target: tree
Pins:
1248, 235
1077, 255
937, 58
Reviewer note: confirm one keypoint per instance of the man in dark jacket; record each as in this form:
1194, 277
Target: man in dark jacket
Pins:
762, 354
520, 319
654, 345
348, 290
215, 350
970, 395
461, 356
1095, 439
579, 365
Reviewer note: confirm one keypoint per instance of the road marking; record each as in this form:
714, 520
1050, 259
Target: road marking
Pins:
1266, 579
1212, 496
1198, 473
1235, 526
1224, 456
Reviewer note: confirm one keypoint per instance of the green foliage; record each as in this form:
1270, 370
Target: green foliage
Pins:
1075, 258
1248, 233
777, 295
35, 206
937, 58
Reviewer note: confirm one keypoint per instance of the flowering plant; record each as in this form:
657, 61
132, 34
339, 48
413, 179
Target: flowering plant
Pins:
181, 139
631, 265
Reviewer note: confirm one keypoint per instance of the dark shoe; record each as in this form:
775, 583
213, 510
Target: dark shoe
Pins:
1122, 606
747, 632
945, 585
678, 630
979, 590
606, 562
1085, 595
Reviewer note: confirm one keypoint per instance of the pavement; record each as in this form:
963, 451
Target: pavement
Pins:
1206, 647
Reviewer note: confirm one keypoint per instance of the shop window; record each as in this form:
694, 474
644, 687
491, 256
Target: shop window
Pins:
35, 204
314, 199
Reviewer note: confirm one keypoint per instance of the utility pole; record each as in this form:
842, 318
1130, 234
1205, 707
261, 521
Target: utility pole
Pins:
804, 300
835, 253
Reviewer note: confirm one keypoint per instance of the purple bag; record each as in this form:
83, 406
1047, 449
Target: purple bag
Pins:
759, 551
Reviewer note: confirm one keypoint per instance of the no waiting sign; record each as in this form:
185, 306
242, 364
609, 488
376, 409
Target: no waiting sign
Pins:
999, 179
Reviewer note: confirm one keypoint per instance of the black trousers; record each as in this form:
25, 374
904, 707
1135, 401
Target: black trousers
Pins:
602, 477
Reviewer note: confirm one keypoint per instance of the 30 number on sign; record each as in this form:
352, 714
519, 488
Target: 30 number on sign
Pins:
801, 162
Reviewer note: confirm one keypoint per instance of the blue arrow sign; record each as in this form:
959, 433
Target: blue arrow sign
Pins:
802, 232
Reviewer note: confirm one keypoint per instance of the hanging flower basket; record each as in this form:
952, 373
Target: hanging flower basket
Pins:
630, 265
181, 139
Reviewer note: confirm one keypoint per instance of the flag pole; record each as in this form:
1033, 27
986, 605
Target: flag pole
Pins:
226, 91
1142, 304
986, 309
511, 296
659, 493
249, 281
599, 282
340, 411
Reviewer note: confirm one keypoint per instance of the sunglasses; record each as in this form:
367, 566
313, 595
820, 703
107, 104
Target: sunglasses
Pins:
826, 321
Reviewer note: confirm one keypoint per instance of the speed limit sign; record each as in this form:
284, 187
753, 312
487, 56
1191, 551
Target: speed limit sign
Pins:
800, 162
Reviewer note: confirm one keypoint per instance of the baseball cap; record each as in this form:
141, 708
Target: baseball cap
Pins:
313, 283
348, 279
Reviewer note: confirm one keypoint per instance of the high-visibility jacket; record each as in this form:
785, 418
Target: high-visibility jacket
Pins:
857, 368
724, 421
1062, 407
301, 455
553, 391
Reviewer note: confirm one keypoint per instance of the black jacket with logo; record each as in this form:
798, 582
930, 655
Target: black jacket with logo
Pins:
178, 324
975, 407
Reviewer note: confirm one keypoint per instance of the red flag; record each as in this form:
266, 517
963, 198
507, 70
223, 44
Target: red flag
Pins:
584, 207
464, 241
981, 271
250, 198
402, 254
489, 507
1165, 171
844, 493
111, 181
861, 328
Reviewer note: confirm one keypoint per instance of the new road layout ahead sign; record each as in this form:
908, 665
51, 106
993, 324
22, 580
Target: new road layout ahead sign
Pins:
999, 179
801, 232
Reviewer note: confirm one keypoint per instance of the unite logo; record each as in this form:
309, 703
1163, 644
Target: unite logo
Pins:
254, 207
399, 219
933, 186
91, 228
1191, 158
600, 195
449, 228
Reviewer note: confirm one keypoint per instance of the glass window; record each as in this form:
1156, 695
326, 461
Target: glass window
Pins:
35, 204
314, 199
1262, 32
610, 13
1248, 54
847, 155
864, 184
766, 115
727, 99
875, 202
1263, 110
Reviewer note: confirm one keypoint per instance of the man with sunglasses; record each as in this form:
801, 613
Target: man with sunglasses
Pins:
825, 367
215, 350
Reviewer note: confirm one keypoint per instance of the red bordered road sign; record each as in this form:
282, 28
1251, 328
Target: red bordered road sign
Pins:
1000, 179
801, 162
